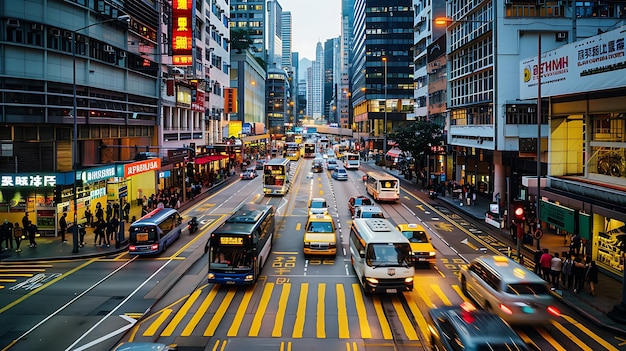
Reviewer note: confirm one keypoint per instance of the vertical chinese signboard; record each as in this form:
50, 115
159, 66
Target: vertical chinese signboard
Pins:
182, 32
230, 100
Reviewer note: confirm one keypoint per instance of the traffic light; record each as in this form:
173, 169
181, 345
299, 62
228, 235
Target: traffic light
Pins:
519, 212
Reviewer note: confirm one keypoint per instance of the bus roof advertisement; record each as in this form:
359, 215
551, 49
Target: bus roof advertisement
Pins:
139, 167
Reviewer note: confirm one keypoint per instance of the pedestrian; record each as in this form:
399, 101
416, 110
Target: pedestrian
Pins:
556, 267
116, 209
579, 273
5, 234
63, 226
575, 245
536, 257
112, 228
126, 210
99, 213
144, 211
32, 230
545, 261
100, 237
25, 221
109, 212
567, 276
17, 235
88, 217
591, 276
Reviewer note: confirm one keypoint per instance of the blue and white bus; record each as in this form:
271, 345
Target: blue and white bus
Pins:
351, 161
239, 248
154, 232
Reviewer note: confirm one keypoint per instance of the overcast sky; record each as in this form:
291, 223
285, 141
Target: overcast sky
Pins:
312, 21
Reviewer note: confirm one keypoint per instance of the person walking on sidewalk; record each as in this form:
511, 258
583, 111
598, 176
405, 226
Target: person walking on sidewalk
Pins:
556, 266
579, 273
63, 226
17, 234
545, 261
592, 277
567, 273
32, 230
6, 233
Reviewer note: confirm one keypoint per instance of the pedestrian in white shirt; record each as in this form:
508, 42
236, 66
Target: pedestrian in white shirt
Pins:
556, 266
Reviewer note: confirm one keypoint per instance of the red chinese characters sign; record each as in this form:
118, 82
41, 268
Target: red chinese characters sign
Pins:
182, 32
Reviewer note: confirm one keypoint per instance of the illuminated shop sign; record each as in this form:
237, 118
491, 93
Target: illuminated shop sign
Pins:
134, 168
97, 193
182, 32
28, 180
94, 175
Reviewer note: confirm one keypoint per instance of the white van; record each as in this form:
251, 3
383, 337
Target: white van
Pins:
506, 288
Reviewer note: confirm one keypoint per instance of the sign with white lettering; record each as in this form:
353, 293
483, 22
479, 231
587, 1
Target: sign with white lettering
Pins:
97, 174
28, 180
139, 167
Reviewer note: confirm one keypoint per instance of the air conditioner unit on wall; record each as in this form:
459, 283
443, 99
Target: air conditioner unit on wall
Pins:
560, 36
122, 54
13, 22
38, 27
108, 48
55, 32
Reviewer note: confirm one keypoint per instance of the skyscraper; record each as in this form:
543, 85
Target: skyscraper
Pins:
317, 83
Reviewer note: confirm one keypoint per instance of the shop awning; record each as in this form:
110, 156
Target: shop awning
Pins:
208, 158
394, 153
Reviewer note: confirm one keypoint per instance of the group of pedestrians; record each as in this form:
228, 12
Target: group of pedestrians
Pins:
14, 232
570, 272
106, 222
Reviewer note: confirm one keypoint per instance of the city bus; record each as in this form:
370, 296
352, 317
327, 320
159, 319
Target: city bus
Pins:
382, 186
292, 151
351, 161
154, 232
381, 256
239, 247
276, 176
309, 150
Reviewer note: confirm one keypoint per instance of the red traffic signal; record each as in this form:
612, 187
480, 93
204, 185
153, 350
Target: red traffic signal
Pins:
519, 212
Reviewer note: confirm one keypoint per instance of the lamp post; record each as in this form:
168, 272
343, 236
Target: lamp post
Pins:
75, 132
385, 106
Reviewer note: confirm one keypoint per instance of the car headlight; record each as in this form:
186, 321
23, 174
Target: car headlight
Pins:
372, 280
408, 280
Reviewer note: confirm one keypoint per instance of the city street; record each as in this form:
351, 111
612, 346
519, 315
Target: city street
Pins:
296, 300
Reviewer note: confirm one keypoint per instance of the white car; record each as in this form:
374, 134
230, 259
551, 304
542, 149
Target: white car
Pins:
318, 205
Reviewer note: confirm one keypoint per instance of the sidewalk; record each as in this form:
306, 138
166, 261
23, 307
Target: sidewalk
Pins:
51, 248
608, 290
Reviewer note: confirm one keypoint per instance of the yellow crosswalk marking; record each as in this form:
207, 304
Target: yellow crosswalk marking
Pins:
260, 312
181, 313
220, 313
384, 324
201, 312
460, 292
321, 311
366, 332
241, 312
437, 289
424, 296
279, 320
591, 334
298, 328
415, 311
152, 329
342, 313
571, 336
409, 330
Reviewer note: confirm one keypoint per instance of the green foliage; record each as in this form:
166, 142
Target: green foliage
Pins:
416, 139
239, 40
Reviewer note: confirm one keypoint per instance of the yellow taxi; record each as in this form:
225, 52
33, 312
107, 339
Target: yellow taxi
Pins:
423, 250
320, 237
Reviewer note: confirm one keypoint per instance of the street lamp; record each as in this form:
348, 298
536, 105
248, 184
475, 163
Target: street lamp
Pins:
122, 18
385, 105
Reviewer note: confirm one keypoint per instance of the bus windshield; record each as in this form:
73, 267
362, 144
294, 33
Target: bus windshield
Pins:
388, 255
389, 184
145, 234
229, 258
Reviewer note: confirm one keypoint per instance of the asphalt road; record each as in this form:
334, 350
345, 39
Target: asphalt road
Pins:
297, 304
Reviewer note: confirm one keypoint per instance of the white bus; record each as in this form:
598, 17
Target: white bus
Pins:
381, 256
276, 176
382, 186
351, 161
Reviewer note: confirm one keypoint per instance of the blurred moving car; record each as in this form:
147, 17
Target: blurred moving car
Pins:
318, 166
368, 212
145, 346
249, 173
259, 164
508, 289
466, 328
318, 205
339, 174
356, 201
331, 164
423, 250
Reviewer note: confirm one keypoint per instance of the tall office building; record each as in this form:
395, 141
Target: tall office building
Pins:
331, 67
344, 95
249, 17
274, 34
383, 37
316, 85
286, 40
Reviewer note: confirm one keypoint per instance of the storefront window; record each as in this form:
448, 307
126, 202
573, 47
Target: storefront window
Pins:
608, 250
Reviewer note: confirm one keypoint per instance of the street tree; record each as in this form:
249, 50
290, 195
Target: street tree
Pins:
416, 140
